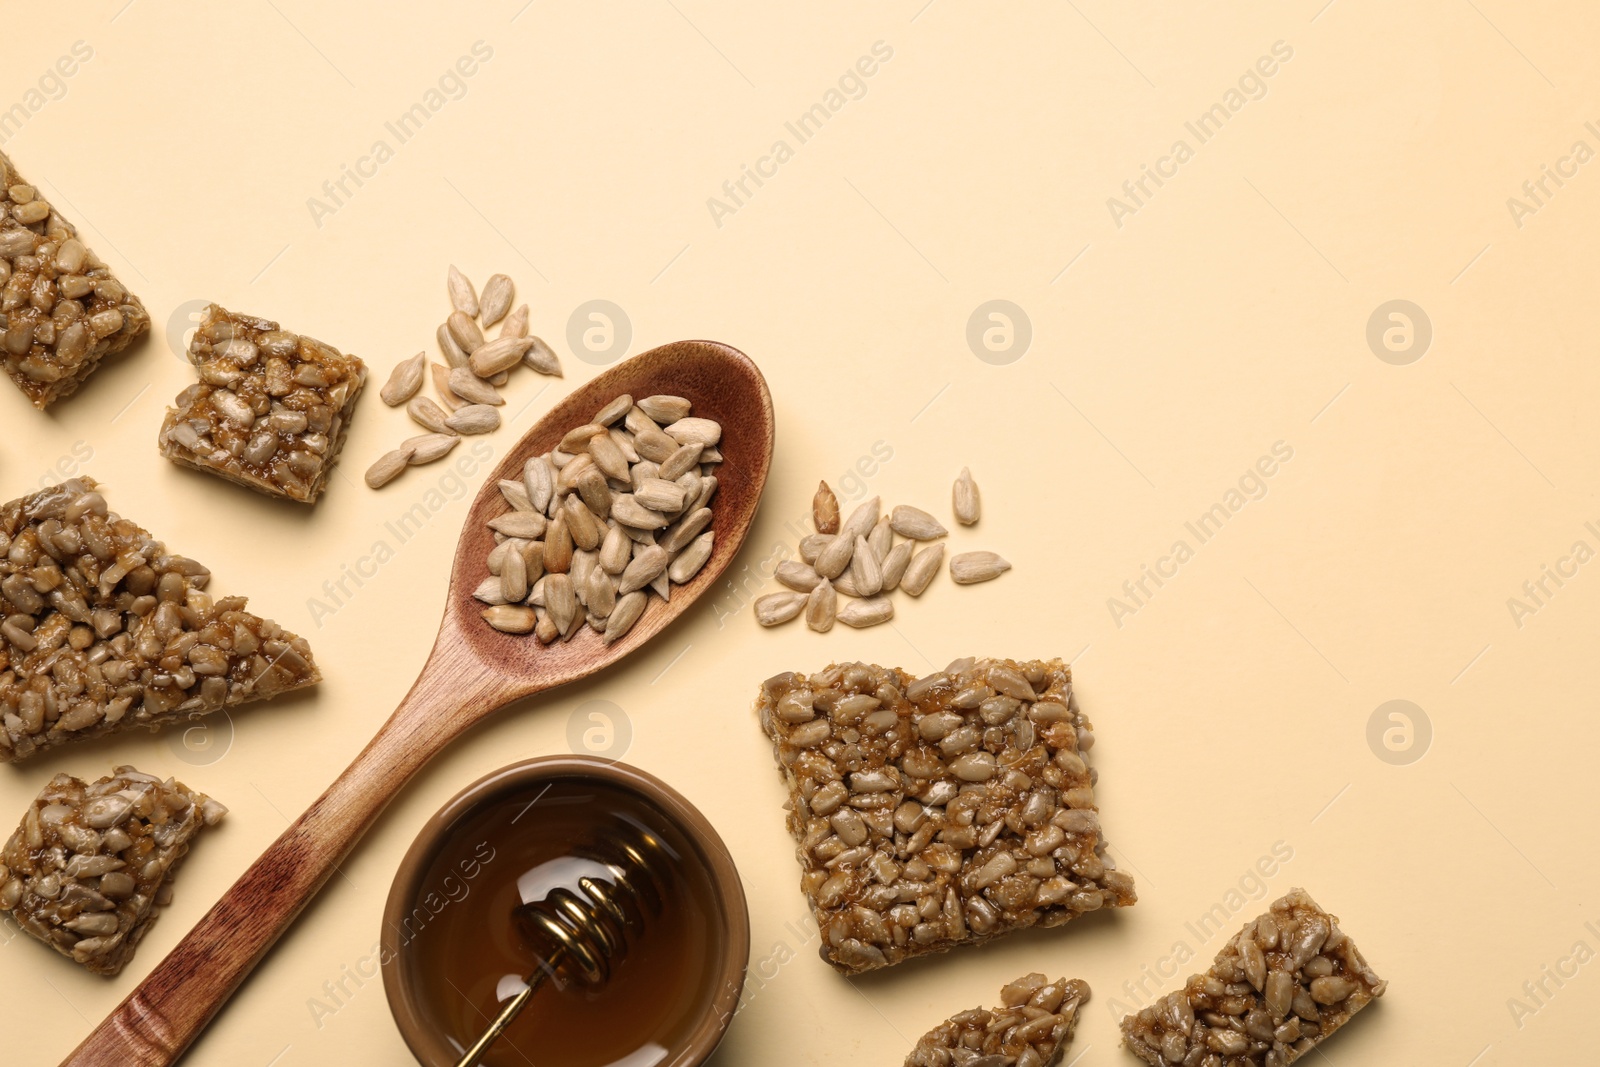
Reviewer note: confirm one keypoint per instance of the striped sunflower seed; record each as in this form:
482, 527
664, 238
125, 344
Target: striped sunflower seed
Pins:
473, 389
429, 447
624, 615
922, 569
865, 573
404, 381
825, 510
797, 576
498, 356
388, 468
688, 562
868, 612
428, 415
832, 560
463, 297
915, 523
822, 603
447, 345
516, 324
894, 565
542, 358
970, 568
776, 608
496, 299
665, 410
474, 419
510, 618
965, 501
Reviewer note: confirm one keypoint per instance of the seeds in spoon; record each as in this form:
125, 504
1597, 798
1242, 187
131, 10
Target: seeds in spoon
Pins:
964, 498
404, 381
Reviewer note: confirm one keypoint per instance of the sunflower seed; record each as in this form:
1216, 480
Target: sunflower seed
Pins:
474, 419
496, 299
473, 389
833, 559
489, 591
516, 495
615, 550
776, 608
514, 577
545, 630
462, 296
404, 381
516, 324
845, 585
465, 331
624, 442
797, 576
658, 495
915, 523
560, 600
922, 569
441, 385
694, 431
596, 494
681, 462
529, 525
613, 411
868, 612
686, 529
428, 415
861, 520
628, 511
894, 565
510, 618
542, 358
637, 422
825, 510
971, 567
664, 410
687, 564
586, 530
388, 468
602, 592
540, 480
811, 546
576, 440
654, 445
644, 569
624, 615
881, 539
447, 345
558, 545
429, 447
821, 605
865, 573
964, 498
498, 356
608, 457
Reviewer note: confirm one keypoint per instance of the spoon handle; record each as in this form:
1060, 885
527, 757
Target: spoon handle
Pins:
157, 1021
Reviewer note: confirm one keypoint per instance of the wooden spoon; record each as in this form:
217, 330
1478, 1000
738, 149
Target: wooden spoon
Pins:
472, 671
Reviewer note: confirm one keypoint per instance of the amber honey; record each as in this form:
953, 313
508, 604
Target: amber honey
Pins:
466, 952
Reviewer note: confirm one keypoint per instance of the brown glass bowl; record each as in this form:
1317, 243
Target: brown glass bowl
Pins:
730, 925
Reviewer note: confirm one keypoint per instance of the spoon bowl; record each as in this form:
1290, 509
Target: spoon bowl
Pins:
472, 672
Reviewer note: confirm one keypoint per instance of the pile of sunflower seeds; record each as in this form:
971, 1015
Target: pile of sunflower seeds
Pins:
1033, 1024
468, 382
863, 560
617, 511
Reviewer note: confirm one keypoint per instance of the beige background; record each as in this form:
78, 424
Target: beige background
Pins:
1167, 355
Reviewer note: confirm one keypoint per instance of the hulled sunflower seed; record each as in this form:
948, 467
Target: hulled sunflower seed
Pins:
915, 523
965, 501
545, 630
514, 577
865, 573
542, 358
586, 530
602, 592
690, 560
489, 591
861, 520
628, 511
624, 442
658, 495
447, 345
881, 539
539, 479
558, 545
624, 615
695, 431
686, 529
615, 550
833, 559
496, 299
654, 445
516, 495
613, 411
608, 456
821, 605
473, 389
463, 297
894, 565
516, 324
664, 410
922, 569
845, 585
429, 447
498, 356
465, 331
681, 462
776, 608
404, 381
528, 525
560, 600
797, 576
388, 468
596, 493
576, 440
474, 419
869, 612
510, 618
441, 385
970, 568
811, 546
428, 415
825, 510
644, 569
